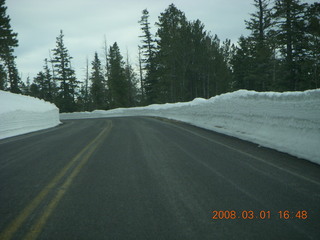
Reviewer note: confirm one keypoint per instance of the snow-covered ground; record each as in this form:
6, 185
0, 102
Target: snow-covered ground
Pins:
288, 122
22, 114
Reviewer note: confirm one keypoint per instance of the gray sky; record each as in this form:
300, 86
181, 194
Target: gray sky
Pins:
85, 22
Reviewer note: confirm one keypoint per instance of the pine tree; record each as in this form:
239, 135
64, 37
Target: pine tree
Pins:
38, 89
313, 51
147, 54
189, 63
3, 77
13, 75
242, 65
195, 58
291, 39
46, 88
50, 85
97, 86
8, 40
260, 24
222, 57
117, 84
170, 58
65, 75
34, 90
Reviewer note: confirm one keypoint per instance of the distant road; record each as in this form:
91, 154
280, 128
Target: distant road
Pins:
146, 178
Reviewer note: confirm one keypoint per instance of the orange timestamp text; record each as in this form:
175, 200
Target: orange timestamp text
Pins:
249, 214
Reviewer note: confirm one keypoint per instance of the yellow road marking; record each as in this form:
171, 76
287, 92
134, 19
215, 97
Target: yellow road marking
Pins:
35, 230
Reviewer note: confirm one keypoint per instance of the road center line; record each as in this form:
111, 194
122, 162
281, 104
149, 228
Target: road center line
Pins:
82, 157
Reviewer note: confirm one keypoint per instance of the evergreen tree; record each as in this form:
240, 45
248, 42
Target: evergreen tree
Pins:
34, 90
13, 75
190, 63
147, 51
291, 40
312, 62
243, 65
206, 63
171, 64
65, 75
117, 83
3, 77
97, 86
46, 88
260, 24
50, 84
8, 40
222, 57
38, 86
196, 61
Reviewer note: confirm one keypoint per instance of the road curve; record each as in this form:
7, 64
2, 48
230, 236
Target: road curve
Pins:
147, 178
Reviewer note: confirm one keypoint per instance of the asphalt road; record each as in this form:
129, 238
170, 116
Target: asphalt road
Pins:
145, 178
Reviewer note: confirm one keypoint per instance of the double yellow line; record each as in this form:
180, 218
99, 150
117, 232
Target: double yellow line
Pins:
76, 163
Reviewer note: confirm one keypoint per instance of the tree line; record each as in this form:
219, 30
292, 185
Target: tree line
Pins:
105, 87
282, 53
183, 61
180, 61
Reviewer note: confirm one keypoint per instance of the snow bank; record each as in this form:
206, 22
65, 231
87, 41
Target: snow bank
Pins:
22, 114
288, 122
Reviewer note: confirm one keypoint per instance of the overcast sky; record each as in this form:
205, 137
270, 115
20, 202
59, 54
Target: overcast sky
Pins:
86, 22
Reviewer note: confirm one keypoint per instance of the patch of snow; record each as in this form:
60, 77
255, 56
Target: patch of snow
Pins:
23, 114
288, 122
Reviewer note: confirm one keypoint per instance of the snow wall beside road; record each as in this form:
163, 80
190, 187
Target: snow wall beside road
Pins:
22, 114
288, 122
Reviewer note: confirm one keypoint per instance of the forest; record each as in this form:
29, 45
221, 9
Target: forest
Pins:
180, 62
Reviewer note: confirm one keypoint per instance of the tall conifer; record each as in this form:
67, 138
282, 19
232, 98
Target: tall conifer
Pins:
118, 87
261, 36
65, 74
147, 54
8, 41
291, 39
97, 86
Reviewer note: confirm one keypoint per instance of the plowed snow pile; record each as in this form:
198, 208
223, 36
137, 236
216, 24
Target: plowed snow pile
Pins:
288, 122
22, 114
